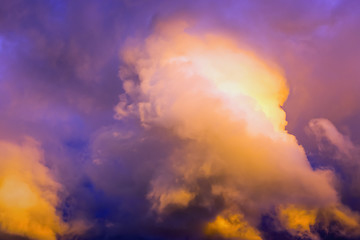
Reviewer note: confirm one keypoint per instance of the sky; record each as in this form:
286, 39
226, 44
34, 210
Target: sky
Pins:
179, 120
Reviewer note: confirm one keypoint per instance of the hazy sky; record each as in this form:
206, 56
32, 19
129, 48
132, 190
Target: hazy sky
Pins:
172, 120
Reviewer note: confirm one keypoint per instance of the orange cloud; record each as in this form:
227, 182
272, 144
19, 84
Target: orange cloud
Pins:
28, 193
232, 227
225, 103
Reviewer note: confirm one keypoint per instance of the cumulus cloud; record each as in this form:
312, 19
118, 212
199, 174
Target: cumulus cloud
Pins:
28, 193
225, 103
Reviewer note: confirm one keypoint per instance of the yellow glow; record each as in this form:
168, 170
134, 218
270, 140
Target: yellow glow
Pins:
16, 193
232, 227
213, 67
27, 193
298, 219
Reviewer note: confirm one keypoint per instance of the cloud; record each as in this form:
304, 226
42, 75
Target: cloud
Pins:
337, 151
28, 193
225, 103
190, 152
323, 129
